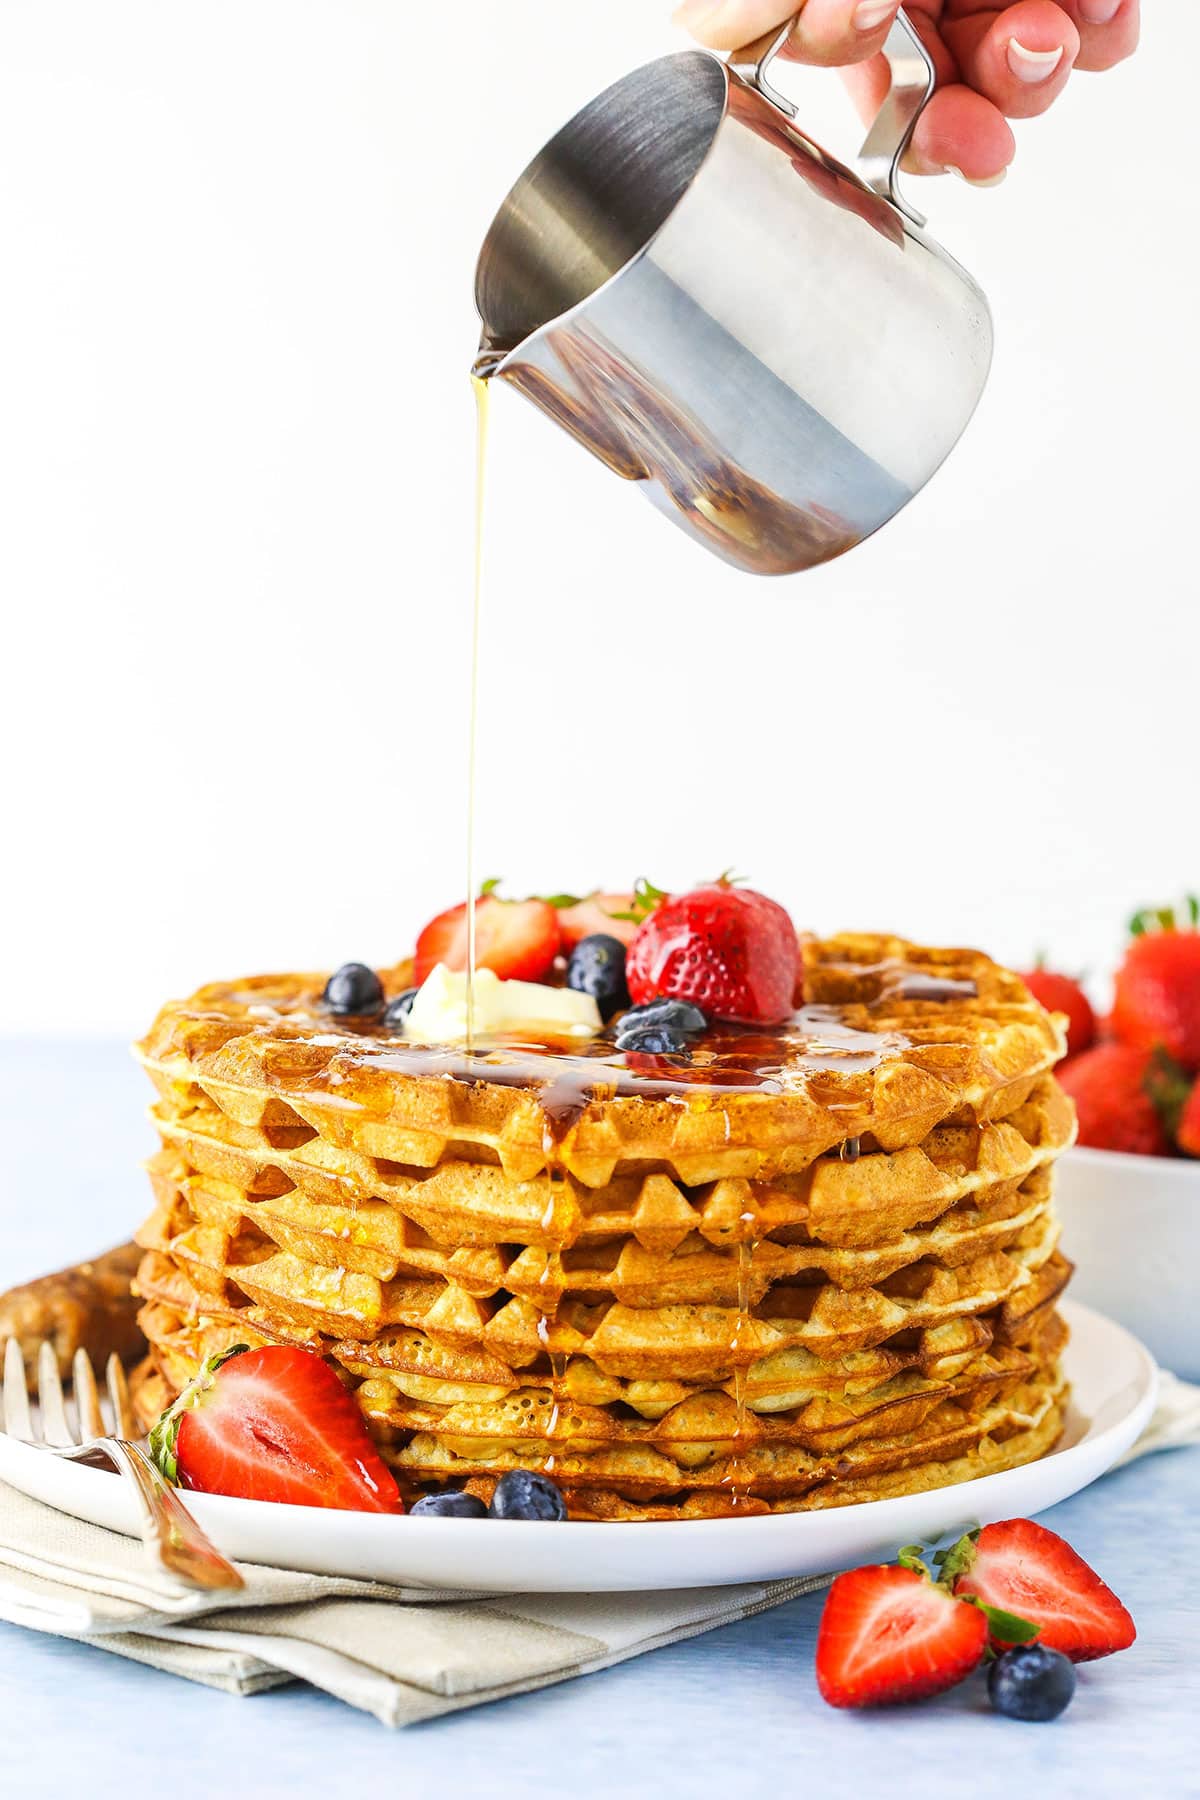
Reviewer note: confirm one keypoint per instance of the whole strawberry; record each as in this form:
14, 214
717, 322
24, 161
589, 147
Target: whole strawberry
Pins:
1062, 994
1111, 1087
730, 951
1187, 1134
1157, 994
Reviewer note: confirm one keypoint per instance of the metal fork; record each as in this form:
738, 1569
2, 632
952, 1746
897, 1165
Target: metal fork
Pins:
169, 1532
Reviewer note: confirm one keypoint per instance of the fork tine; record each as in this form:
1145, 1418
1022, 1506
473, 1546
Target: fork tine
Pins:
118, 1393
55, 1429
18, 1421
91, 1419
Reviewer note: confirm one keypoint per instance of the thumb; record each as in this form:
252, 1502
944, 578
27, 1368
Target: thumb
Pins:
830, 32
728, 24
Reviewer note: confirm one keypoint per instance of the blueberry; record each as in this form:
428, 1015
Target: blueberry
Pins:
597, 967
354, 990
654, 1040
521, 1494
453, 1504
678, 1015
397, 1010
1031, 1682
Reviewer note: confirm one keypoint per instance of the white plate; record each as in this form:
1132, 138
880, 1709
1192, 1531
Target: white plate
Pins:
1113, 1380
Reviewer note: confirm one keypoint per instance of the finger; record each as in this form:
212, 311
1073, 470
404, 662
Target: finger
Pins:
958, 130
961, 133
728, 24
1019, 57
869, 81
1108, 30
835, 33
829, 32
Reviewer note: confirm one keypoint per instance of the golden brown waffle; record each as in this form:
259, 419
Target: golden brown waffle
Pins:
800, 1268
1022, 1433
949, 1444
231, 1262
704, 1438
764, 1471
513, 1423
964, 1182
864, 1057
179, 1315
472, 1205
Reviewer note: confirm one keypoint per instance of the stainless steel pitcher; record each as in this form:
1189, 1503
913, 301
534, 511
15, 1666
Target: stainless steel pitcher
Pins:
766, 340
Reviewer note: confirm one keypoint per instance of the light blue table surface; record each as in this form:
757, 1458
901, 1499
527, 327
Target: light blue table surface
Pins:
731, 1714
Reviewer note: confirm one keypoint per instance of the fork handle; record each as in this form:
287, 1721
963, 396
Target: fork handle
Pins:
169, 1531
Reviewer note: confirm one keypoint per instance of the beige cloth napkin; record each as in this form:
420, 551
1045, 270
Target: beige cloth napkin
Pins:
402, 1654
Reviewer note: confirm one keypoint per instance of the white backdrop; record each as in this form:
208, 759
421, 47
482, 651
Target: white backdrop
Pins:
235, 514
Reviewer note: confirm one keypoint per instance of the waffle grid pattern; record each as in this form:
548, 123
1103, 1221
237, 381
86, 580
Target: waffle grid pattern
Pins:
681, 1303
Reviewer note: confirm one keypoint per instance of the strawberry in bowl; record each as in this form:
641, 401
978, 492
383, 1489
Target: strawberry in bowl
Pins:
1064, 994
1131, 1183
1156, 997
1133, 1077
1111, 1085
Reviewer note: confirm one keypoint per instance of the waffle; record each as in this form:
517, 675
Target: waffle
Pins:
230, 1266
806, 1267
471, 1204
1003, 1413
862, 1057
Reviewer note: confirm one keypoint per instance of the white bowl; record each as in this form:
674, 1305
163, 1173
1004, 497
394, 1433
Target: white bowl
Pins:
1131, 1226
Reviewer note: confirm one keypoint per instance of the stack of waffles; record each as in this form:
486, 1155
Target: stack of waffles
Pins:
803, 1268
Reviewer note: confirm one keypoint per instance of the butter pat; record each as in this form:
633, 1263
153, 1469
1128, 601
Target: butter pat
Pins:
438, 1014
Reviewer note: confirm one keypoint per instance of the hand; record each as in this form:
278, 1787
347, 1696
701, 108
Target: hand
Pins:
993, 63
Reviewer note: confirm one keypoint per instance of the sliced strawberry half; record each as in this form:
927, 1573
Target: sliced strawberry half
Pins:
1021, 1567
273, 1424
888, 1634
594, 914
517, 939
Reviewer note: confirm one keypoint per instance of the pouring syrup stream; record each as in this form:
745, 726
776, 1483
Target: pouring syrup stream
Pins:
737, 1479
482, 401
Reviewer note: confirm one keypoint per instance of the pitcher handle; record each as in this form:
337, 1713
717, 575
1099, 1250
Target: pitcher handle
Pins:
912, 84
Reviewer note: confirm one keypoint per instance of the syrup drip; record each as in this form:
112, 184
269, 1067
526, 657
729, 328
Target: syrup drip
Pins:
558, 1369
549, 1302
975, 1144
736, 1477
482, 400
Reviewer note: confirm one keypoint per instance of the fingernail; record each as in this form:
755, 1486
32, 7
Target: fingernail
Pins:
979, 181
1032, 65
871, 14
1099, 12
